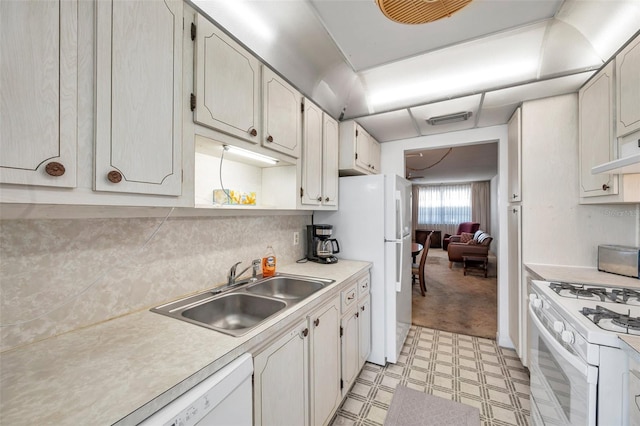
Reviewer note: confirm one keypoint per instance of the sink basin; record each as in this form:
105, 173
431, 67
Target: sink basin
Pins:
284, 287
235, 312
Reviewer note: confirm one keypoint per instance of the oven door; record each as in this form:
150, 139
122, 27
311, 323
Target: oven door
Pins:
563, 385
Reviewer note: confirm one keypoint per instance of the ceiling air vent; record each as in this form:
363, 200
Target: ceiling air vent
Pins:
449, 118
420, 11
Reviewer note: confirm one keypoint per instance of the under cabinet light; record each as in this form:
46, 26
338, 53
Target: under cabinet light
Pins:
249, 154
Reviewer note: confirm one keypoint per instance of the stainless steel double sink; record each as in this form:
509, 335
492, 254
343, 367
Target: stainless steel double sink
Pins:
240, 309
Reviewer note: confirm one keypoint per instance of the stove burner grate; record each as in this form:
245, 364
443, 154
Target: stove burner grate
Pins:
621, 320
624, 295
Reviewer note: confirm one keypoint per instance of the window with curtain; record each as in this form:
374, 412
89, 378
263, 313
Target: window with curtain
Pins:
443, 207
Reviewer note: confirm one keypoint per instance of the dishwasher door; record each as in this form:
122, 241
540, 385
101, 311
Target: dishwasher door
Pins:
222, 399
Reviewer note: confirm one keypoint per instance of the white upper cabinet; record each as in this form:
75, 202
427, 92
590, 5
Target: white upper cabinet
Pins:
138, 93
330, 147
227, 84
39, 78
514, 155
281, 115
595, 126
311, 190
628, 88
319, 180
359, 152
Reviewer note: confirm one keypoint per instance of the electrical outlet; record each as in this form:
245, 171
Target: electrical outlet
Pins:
296, 238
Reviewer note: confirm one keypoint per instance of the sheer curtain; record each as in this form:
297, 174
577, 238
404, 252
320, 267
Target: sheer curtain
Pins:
443, 207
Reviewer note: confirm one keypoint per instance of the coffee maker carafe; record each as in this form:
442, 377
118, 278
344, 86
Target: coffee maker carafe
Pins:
320, 246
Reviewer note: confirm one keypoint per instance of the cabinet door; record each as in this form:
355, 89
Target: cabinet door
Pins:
374, 156
38, 76
362, 149
595, 109
227, 84
282, 116
138, 92
312, 160
350, 349
515, 276
628, 88
364, 330
514, 146
331, 142
280, 380
325, 362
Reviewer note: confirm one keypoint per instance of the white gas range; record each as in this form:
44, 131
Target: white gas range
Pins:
578, 371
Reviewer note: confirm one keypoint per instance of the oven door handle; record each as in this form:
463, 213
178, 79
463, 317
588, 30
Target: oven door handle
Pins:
571, 359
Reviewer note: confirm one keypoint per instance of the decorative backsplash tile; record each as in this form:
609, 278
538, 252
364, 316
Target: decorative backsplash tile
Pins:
60, 275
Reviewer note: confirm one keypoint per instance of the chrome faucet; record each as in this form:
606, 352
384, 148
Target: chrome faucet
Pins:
231, 278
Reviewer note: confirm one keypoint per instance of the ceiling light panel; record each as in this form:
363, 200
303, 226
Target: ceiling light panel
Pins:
457, 70
454, 106
420, 11
390, 126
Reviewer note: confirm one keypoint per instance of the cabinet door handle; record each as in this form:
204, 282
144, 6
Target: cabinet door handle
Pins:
316, 322
514, 196
357, 314
305, 333
605, 187
114, 176
319, 199
54, 169
269, 138
253, 132
362, 308
326, 200
350, 297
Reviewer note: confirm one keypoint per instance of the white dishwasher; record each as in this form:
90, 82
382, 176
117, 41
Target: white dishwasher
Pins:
222, 399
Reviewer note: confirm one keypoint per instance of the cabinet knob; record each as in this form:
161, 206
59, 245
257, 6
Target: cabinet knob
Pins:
316, 322
514, 196
362, 308
114, 176
326, 200
605, 187
357, 314
305, 332
319, 198
54, 169
253, 132
269, 138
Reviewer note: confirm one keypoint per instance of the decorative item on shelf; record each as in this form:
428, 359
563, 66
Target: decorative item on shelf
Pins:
231, 197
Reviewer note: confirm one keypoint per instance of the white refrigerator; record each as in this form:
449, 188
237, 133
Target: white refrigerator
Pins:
373, 223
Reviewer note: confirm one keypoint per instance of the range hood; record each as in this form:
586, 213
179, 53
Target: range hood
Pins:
629, 161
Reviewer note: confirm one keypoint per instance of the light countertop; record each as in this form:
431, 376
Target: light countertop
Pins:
122, 370
581, 274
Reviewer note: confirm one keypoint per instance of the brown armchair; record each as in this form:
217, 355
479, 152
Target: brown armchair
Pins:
470, 227
479, 247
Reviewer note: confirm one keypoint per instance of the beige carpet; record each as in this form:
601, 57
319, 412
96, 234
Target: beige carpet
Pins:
454, 302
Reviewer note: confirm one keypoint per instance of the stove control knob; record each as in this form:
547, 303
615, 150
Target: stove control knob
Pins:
558, 326
567, 336
537, 303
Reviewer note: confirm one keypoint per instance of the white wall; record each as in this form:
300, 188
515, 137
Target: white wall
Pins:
392, 161
556, 228
495, 212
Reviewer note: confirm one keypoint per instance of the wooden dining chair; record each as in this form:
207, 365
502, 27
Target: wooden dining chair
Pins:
418, 270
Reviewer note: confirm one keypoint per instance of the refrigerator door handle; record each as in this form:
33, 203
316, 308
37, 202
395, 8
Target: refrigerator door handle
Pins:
399, 251
399, 215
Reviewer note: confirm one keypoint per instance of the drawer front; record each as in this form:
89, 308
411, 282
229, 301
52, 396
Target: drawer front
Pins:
348, 297
363, 286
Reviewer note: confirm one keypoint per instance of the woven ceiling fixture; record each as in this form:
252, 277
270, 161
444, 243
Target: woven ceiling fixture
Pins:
419, 11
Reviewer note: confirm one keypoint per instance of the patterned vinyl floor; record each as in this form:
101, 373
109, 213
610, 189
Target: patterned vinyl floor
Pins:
466, 369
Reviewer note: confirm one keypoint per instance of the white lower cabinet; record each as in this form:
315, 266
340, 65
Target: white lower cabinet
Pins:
364, 331
350, 348
325, 362
297, 378
281, 386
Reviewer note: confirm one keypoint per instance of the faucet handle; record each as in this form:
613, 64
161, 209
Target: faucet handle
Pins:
232, 271
255, 263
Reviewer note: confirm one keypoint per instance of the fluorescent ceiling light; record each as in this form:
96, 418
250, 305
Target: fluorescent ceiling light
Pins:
448, 83
449, 118
249, 154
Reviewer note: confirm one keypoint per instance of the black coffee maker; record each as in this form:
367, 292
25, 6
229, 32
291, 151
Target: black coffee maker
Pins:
320, 246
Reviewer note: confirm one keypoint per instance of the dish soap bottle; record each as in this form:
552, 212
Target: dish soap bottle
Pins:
269, 263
